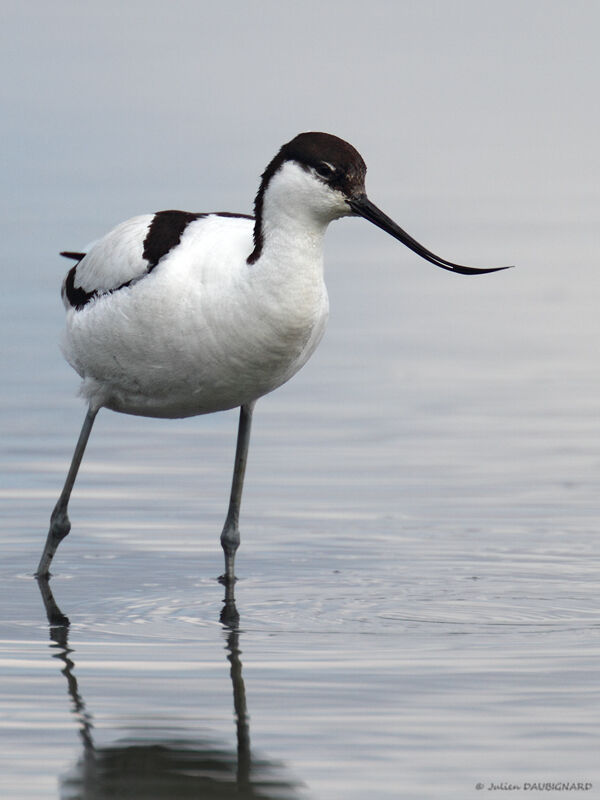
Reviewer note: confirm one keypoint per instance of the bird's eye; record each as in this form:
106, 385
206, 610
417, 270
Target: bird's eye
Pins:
324, 169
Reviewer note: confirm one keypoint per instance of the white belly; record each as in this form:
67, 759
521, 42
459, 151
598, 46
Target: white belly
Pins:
175, 346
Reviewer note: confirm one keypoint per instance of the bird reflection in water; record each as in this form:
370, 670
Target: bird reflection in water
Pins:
160, 767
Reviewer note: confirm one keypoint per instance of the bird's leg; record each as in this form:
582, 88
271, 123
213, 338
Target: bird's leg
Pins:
230, 537
59, 519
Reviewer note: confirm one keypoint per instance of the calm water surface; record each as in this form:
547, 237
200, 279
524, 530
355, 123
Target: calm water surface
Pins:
417, 608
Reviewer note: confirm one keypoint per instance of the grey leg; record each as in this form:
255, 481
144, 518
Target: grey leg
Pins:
230, 537
59, 519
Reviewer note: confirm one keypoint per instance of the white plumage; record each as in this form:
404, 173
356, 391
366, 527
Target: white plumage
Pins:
176, 314
204, 331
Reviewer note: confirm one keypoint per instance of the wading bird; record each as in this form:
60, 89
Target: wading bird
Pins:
175, 314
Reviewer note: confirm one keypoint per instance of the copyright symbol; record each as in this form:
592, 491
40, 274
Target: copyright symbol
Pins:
479, 785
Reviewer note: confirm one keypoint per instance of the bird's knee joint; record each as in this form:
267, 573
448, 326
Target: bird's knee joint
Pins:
230, 538
60, 524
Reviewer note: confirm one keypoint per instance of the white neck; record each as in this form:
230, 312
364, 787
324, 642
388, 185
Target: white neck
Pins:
296, 211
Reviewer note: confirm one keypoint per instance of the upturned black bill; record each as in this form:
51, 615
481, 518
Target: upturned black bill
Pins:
362, 206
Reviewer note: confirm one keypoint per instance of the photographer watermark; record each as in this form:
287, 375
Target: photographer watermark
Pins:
535, 786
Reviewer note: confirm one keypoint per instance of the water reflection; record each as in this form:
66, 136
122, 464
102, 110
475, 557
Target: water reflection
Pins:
157, 766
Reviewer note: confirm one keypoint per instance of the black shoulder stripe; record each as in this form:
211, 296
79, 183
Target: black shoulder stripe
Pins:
164, 233
166, 230
231, 215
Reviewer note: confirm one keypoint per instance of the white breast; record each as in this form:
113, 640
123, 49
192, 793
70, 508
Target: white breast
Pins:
204, 331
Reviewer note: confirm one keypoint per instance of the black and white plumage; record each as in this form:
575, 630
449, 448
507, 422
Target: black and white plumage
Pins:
176, 314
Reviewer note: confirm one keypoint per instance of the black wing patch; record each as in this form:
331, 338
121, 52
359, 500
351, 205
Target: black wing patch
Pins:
164, 234
78, 297
166, 230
